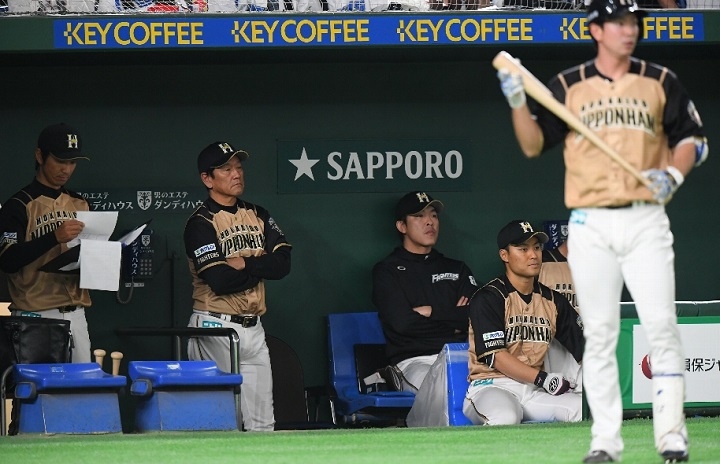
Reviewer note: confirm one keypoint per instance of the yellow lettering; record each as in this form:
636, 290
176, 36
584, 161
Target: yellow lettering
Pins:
363, 30
183, 33
448, 30
286, 38
121, 25
436, 28
349, 35
661, 25
687, 28
169, 31
103, 33
271, 30
513, 29
335, 29
75, 35
322, 29
197, 32
243, 33
526, 29
464, 31
133, 34
486, 28
155, 31
499, 28
306, 39
257, 32
89, 33
422, 30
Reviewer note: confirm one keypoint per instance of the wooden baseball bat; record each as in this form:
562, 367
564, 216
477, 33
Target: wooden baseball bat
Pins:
99, 356
542, 95
116, 357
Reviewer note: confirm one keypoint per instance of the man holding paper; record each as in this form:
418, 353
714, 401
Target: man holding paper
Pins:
35, 226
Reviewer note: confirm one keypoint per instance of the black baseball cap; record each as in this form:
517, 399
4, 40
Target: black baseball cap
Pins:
62, 141
414, 202
518, 232
218, 154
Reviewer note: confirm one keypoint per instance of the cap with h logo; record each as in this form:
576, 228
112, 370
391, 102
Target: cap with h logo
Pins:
518, 232
415, 202
62, 141
218, 154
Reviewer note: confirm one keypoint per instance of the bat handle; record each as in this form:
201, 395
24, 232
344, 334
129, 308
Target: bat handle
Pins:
99, 356
116, 357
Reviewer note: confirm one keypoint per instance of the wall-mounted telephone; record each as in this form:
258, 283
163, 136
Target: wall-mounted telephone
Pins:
137, 258
137, 263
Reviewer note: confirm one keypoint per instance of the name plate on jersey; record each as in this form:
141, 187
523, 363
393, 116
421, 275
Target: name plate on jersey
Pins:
375, 165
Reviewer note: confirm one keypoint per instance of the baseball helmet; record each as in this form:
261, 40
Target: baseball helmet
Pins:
600, 11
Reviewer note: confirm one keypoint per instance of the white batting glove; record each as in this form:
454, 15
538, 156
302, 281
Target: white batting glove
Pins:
555, 384
512, 87
664, 184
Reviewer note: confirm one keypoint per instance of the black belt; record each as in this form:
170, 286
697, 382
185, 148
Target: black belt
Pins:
245, 321
67, 309
630, 205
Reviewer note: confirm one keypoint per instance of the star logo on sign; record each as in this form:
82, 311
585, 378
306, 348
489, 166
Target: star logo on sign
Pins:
304, 165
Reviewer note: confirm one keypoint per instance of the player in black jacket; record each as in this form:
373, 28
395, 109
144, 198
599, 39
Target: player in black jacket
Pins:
420, 294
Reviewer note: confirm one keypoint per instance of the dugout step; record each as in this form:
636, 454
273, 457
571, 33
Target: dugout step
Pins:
183, 395
67, 398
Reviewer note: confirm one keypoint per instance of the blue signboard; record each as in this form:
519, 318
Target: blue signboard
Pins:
343, 30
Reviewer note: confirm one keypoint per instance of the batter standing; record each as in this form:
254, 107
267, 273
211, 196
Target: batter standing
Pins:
619, 228
232, 247
35, 226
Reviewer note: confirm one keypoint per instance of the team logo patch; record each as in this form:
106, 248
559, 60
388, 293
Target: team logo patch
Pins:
274, 226
211, 324
204, 249
493, 335
482, 382
9, 237
578, 217
445, 276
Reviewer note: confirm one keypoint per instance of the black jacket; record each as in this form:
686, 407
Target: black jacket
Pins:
403, 281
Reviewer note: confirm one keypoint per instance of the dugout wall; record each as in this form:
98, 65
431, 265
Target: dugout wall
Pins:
146, 112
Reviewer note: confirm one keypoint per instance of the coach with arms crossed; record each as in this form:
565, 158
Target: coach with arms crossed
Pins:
232, 246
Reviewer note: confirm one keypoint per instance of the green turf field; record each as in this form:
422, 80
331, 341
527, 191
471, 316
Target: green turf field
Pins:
531, 443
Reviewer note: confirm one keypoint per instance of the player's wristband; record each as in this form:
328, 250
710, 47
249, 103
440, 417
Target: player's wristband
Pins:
676, 175
540, 379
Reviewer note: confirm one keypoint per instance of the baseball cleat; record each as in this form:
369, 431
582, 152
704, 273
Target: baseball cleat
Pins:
598, 456
673, 448
671, 457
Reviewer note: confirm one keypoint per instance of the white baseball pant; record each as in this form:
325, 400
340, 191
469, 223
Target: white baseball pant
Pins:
505, 401
635, 245
256, 391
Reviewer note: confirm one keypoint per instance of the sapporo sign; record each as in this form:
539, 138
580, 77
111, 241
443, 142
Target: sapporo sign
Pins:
377, 165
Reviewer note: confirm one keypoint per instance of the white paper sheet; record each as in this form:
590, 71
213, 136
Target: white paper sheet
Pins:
99, 225
100, 268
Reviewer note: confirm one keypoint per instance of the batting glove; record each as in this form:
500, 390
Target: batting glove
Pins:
555, 384
663, 184
512, 88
